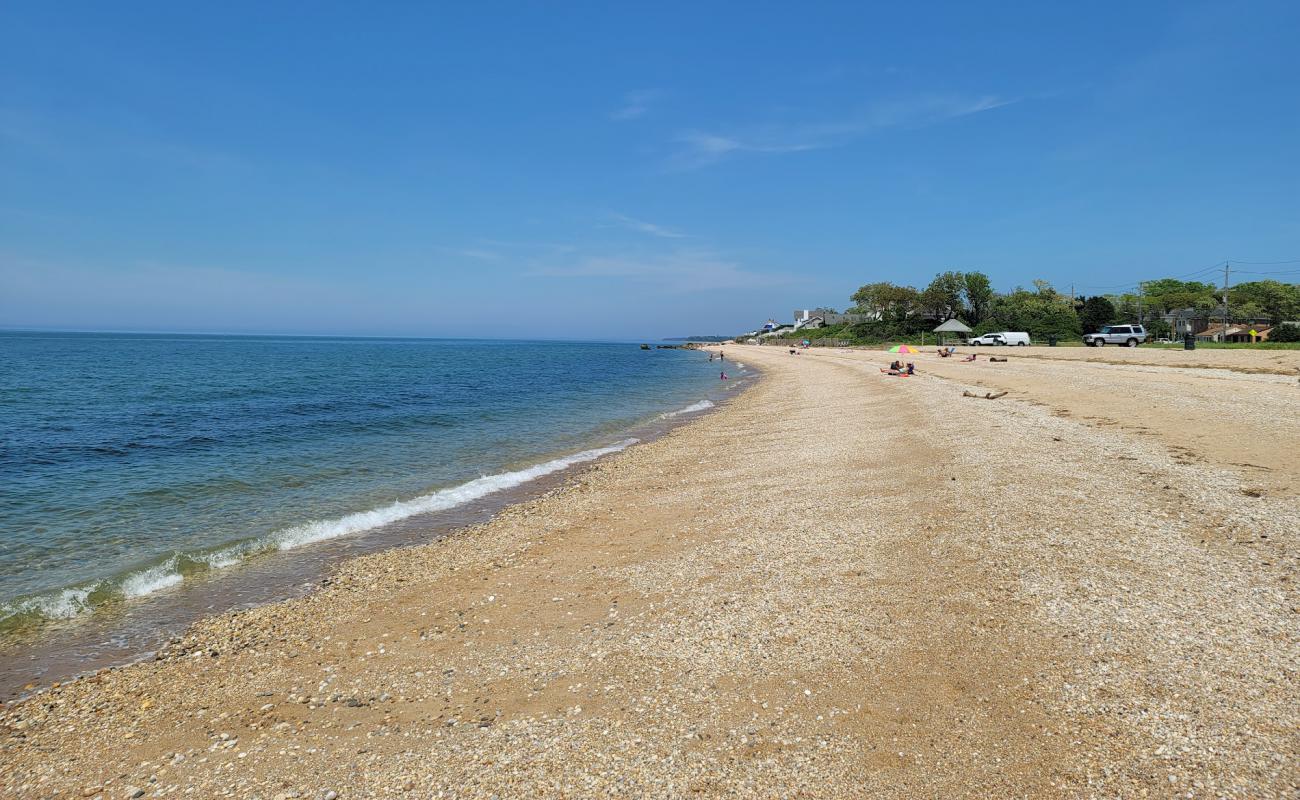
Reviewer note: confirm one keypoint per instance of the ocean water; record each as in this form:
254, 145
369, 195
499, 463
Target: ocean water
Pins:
133, 466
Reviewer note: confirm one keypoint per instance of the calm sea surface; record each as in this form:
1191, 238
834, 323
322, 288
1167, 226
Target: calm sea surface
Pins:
133, 466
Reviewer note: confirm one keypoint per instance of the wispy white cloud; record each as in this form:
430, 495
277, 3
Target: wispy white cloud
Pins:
75, 140
680, 271
548, 247
701, 148
476, 253
647, 227
636, 104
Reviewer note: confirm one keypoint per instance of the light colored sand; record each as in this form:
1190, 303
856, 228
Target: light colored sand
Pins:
839, 585
1238, 409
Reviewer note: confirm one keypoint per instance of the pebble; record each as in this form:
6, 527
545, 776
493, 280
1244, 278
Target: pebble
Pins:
1094, 623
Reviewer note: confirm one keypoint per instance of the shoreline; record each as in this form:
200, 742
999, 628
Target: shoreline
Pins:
815, 592
132, 631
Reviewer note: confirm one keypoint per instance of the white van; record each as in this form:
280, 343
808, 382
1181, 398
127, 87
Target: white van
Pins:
1019, 338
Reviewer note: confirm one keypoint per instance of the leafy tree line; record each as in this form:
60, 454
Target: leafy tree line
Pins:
905, 311
1271, 301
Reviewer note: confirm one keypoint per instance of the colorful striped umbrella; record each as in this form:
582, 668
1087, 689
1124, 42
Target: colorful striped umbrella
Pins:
903, 348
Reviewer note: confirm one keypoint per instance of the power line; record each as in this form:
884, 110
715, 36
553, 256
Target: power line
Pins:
1218, 265
1115, 286
1212, 268
1203, 271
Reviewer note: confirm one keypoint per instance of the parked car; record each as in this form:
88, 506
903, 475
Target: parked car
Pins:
1128, 335
1019, 338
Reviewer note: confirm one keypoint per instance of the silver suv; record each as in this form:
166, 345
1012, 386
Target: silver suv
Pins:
1128, 335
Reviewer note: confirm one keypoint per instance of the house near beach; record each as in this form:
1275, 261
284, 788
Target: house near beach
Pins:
803, 317
1238, 332
1182, 321
807, 319
1207, 324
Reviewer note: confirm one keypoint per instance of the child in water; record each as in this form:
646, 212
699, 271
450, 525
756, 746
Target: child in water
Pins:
722, 376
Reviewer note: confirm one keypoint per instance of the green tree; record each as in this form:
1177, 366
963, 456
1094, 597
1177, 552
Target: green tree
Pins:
1272, 299
1128, 307
1159, 328
890, 301
979, 296
1042, 313
1167, 294
1285, 333
1096, 312
942, 299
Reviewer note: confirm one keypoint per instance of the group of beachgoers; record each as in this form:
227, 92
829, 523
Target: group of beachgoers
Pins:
950, 351
722, 375
905, 369
896, 367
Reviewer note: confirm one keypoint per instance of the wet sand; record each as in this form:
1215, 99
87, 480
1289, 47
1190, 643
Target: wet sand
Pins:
125, 632
840, 584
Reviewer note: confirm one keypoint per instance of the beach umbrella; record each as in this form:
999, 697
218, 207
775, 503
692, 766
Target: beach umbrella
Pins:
903, 348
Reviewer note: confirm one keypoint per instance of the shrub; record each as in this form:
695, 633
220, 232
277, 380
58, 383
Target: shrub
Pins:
1285, 333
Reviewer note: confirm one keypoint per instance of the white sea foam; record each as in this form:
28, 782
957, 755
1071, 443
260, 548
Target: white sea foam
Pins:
63, 604
440, 500
75, 601
148, 581
226, 557
693, 408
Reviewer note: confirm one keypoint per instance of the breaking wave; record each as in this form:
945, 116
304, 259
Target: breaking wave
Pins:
693, 408
71, 602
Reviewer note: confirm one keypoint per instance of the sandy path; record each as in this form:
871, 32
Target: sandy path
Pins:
1246, 361
815, 591
1238, 410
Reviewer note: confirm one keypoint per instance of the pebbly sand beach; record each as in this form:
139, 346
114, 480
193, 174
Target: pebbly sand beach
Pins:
837, 584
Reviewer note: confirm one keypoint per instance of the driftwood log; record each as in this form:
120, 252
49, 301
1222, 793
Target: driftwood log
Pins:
985, 396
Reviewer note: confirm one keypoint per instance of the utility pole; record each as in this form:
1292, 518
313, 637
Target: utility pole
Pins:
1226, 315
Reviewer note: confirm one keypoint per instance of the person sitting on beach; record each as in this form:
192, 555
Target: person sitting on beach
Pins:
895, 366
970, 357
911, 368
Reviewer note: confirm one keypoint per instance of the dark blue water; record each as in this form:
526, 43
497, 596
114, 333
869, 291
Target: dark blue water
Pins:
131, 464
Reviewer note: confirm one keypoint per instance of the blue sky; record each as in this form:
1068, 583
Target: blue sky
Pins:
612, 170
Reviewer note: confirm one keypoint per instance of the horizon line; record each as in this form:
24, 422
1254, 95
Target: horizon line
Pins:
139, 332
